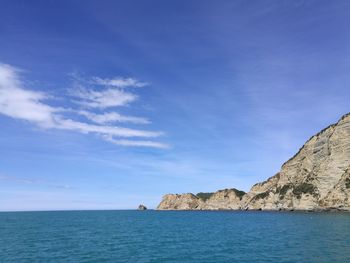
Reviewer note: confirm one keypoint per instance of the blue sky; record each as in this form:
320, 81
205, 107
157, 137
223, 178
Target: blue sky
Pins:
109, 104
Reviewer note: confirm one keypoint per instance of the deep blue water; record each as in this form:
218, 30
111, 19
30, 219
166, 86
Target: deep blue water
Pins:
152, 236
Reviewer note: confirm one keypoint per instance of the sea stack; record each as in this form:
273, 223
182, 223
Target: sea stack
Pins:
142, 207
316, 178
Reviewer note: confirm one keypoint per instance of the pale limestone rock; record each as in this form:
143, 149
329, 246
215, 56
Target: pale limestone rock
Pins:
339, 196
180, 202
224, 200
313, 179
220, 200
316, 178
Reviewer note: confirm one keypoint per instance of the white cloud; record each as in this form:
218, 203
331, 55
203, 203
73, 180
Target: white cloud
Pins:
110, 117
120, 82
111, 97
20, 103
17, 102
68, 124
136, 143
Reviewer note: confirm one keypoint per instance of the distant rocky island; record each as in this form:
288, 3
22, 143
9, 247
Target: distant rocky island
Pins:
142, 207
316, 178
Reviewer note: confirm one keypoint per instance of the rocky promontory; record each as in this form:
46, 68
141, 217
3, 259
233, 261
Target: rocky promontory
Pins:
315, 178
222, 199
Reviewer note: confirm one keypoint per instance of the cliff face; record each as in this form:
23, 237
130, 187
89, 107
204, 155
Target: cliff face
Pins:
317, 177
180, 202
222, 199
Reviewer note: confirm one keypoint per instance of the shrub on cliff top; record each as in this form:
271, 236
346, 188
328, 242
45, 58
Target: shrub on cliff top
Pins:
239, 193
204, 196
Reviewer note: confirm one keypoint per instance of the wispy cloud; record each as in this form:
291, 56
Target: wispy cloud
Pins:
137, 143
111, 117
20, 103
20, 180
110, 97
17, 179
120, 82
68, 124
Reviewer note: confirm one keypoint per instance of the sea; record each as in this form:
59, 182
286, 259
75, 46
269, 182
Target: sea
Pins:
174, 236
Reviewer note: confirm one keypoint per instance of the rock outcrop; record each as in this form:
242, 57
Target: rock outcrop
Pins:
316, 178
142, 207
180, 202
222, 199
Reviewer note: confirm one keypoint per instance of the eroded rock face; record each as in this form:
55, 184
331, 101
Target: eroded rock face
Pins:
339, 196
223, 200
220, 200
316, 178
180, 202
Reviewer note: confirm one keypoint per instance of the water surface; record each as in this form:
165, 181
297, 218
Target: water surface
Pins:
174, 236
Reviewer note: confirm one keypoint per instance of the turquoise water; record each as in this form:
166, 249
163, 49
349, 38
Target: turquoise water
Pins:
151, 236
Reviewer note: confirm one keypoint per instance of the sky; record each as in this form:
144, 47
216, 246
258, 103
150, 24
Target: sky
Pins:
110, 104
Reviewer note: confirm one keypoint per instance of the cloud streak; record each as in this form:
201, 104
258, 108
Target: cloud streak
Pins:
20, 103
32, 181
111, 117
120, 82
103, 99
137, 143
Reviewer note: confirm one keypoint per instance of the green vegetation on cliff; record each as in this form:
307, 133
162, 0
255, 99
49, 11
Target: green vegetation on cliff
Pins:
204, 196
239, 193
347, 183
304, 188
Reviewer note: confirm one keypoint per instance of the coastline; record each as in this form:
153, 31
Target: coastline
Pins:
316, 178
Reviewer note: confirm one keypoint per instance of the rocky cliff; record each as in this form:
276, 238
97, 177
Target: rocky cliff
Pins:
222, 199
316, 178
